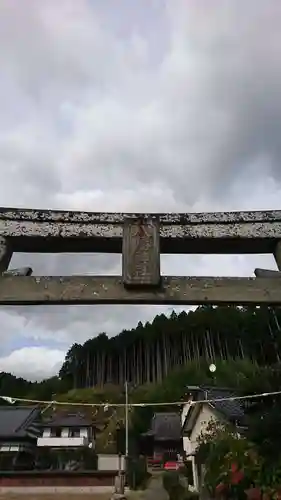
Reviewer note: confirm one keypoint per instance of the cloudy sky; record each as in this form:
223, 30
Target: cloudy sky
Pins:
121, 105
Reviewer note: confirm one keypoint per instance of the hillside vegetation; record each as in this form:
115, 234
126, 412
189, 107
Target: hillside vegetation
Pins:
159, 359
178, 348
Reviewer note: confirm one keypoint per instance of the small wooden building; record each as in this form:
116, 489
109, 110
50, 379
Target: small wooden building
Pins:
164, 439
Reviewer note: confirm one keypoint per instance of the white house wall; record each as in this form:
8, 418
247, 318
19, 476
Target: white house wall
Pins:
186, 440
185, 411
206, 415
110, 462
62, 442
186, 445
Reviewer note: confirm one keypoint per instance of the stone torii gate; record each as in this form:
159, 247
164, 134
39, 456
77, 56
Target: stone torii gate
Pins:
141, 238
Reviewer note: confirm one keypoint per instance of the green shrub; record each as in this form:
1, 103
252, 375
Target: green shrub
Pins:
173, 486
137, 475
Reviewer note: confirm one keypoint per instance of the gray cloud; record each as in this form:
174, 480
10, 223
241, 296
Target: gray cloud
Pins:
167, 107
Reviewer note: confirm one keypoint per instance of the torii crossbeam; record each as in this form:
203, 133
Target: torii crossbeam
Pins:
141, 238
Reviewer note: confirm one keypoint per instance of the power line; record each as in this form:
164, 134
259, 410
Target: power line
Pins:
10, 399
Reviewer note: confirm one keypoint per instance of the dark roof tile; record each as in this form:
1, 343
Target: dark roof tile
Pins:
166, 426
15, 420
68, 421
232, 410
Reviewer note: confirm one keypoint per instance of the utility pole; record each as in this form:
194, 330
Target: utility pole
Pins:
126, 422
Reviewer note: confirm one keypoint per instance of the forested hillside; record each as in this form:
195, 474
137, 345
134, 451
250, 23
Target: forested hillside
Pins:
159, 359
148, 353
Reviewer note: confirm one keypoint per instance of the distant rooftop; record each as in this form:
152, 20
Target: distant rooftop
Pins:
19, 422
165, 426
232, 410
71, 420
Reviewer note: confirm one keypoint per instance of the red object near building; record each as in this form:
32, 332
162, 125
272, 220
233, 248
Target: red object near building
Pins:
171, 466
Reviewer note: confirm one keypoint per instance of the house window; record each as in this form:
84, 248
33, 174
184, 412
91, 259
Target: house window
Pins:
56, 432
74, 432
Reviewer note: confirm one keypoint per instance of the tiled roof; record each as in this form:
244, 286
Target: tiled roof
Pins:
166, 426
18, 422
73, 420
231, 410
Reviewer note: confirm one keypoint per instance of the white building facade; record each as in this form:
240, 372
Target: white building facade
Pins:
205, 415
219, 407
67, 432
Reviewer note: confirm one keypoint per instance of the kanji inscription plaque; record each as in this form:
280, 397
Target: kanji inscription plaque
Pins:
141, 252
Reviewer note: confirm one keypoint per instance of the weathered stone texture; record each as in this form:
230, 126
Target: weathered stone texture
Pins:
141, 252
20, 271
223, 231
267, 273
71, 230
33, 236
19, 290
119, 218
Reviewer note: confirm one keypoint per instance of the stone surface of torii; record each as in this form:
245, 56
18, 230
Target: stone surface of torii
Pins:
65, 231
141, 238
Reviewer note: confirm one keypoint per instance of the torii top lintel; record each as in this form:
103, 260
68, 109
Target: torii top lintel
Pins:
69, 231
141, 238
